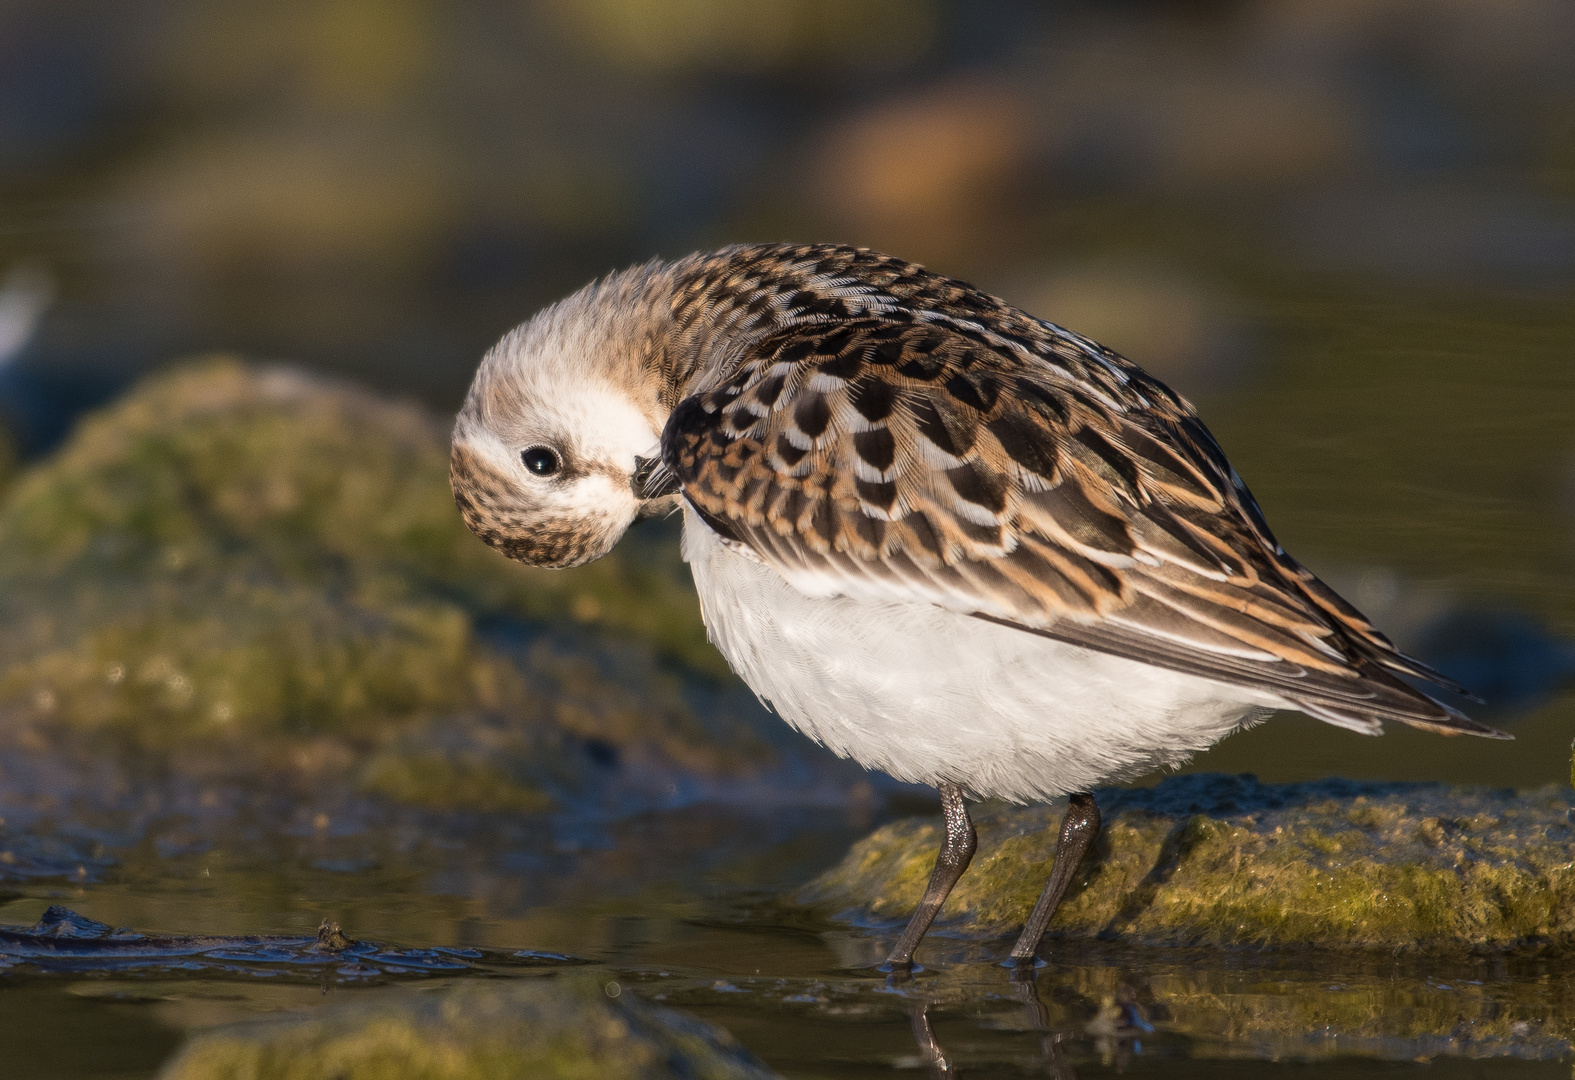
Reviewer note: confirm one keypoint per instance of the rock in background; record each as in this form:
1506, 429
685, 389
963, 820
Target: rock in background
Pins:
251, 572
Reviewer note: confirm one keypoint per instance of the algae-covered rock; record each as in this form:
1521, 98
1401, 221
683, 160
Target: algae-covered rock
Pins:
535, 1029
267, 566
1221, 860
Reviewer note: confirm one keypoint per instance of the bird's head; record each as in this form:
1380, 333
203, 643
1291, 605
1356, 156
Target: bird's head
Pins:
547, 453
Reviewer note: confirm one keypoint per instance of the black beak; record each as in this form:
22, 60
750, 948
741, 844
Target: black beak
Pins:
652, 479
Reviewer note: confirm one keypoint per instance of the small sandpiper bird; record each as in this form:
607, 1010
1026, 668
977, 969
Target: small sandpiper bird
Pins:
937, 535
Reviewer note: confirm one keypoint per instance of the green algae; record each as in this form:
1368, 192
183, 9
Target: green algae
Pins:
1212, 860
266, 567
553, 1029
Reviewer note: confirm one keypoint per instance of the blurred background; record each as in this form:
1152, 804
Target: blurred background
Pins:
1345, 228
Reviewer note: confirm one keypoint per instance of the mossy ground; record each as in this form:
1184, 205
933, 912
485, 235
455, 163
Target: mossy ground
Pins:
529, 1029
261, 568
1214, 860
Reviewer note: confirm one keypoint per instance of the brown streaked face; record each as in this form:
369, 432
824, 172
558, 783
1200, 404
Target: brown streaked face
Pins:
533, 527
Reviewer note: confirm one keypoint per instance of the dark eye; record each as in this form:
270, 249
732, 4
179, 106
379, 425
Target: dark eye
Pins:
541, 460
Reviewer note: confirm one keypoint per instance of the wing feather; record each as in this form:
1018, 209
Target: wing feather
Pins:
1002, 467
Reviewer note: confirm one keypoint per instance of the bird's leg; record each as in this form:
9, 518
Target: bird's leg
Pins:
956, 853
1079, 828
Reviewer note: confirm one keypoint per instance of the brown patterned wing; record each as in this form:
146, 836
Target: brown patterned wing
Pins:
905, 456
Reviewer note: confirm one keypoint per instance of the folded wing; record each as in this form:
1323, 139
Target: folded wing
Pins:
1029, 477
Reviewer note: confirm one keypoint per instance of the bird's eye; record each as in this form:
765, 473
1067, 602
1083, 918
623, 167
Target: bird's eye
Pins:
541, 460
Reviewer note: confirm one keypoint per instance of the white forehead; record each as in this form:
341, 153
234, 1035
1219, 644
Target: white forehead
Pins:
594, 425
580, 374
601, 422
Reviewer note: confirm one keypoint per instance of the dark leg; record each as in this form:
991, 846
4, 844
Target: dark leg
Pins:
956, 853
1078, 830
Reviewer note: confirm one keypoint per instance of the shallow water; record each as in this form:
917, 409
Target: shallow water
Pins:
686, 908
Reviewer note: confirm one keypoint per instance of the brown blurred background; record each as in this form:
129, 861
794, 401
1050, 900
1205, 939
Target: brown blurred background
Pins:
383, 186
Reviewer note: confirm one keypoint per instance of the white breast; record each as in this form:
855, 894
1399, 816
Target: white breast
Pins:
928, 694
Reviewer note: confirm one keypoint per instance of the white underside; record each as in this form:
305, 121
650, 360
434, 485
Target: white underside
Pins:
928, 694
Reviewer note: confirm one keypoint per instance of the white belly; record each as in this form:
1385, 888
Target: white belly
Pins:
928, 694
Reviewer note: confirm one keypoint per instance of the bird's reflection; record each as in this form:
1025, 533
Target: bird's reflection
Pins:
1036, 1017
1116, 1029
929, 1050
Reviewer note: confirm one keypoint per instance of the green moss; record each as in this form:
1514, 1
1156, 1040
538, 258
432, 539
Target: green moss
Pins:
239, 559
442, 783
552, 1029
1226, 861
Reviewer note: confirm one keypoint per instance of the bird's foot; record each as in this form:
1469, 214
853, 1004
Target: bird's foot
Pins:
1024, 968
898, 972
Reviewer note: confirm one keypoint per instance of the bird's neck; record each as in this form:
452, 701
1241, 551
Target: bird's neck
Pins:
718, 305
